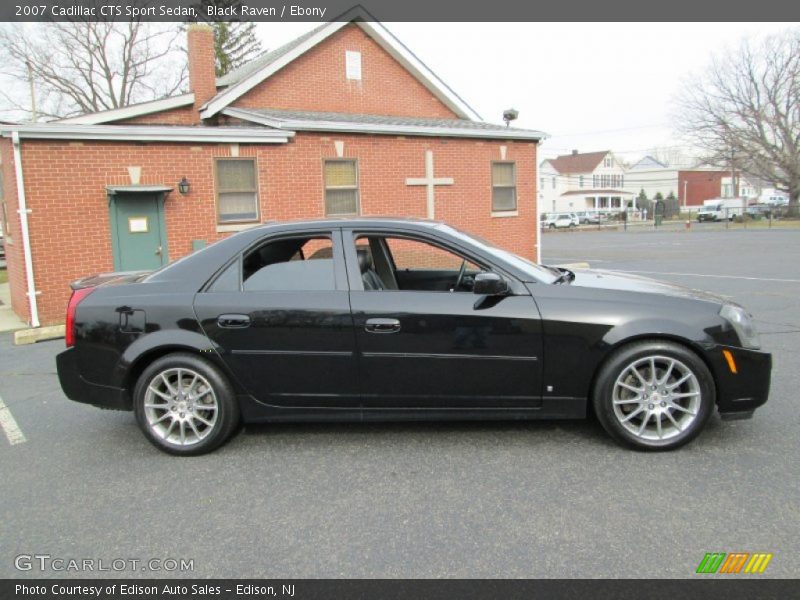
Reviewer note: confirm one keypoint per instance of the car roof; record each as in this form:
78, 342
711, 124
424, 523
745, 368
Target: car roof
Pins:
349, 221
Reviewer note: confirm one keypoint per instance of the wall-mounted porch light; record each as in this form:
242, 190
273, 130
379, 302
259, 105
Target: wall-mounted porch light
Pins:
183, 186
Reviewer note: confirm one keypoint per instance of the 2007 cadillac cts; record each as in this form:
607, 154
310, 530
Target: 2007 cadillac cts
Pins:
385, 319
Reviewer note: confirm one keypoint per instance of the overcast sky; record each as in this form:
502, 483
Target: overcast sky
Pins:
590, 86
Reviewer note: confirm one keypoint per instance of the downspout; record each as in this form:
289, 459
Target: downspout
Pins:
26, 240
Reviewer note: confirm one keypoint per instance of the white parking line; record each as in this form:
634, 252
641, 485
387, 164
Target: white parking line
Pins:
9, 425
707, 275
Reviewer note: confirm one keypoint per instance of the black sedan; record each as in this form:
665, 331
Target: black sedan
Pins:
387, 319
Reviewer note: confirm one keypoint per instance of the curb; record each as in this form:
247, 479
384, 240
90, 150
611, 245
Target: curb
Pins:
38, 334
577, 265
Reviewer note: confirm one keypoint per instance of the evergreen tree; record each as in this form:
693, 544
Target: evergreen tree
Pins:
658, 196
235, 44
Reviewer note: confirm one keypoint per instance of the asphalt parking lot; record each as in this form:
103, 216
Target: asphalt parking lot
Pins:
537, 499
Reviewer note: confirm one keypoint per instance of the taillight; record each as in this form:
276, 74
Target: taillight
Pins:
74, 300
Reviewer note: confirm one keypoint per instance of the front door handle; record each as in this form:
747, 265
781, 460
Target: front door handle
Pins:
382, 326
159, 251
233, 321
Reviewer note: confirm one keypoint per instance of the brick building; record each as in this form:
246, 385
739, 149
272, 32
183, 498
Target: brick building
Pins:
343, 120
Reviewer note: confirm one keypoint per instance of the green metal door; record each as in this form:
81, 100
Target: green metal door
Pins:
137, 231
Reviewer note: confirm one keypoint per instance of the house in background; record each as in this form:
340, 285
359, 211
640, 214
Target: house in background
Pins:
592, 181
345, 120
691, 184
652, 176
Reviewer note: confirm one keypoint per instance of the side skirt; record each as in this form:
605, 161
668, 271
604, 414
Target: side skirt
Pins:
551, 408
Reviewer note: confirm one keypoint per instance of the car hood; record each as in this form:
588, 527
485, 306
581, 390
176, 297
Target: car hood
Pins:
612, 280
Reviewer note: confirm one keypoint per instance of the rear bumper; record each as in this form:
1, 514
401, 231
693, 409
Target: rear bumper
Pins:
78, 389
742, 392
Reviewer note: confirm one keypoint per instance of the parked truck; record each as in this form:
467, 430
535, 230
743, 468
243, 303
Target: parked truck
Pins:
719, 209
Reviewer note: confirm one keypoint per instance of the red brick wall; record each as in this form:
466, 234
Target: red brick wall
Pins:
699, 186
316, 81
70, 230
15, 259
202, 75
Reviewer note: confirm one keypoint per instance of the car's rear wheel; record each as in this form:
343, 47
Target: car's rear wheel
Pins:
552, 225
654, 395
185, 405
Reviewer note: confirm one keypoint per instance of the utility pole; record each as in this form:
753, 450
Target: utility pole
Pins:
34, 116
685, 199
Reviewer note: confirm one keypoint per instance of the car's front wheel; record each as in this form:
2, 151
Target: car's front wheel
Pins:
654, 395
185, 405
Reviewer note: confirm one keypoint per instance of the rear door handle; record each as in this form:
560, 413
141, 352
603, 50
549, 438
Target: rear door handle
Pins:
382, 326
233, 321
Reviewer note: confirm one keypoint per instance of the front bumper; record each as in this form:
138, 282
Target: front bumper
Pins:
745, 390
78, 389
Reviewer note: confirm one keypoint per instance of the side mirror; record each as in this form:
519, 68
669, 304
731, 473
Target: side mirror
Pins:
490, 284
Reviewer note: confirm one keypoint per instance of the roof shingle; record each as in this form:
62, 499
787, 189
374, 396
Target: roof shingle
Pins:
297, 119
578, 163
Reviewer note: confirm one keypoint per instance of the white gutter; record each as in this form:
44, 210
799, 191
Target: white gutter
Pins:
133, 110
26, 240
225, 135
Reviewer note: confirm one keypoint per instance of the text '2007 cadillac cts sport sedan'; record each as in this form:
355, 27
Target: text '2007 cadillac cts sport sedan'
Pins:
386, 319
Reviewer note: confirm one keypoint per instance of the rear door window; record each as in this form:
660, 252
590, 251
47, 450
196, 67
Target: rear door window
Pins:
290, 264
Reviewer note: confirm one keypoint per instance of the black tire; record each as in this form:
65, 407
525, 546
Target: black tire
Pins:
614, 368
227, 417
552, 225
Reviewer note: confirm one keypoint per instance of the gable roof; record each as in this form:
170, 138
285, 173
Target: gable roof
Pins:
578, 163
247, 77
132, 110
263, 60
648, 162
303, 120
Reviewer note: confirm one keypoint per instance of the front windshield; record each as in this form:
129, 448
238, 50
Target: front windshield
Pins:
536, 272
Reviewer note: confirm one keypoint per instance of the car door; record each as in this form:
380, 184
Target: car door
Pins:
281, 315
421, 345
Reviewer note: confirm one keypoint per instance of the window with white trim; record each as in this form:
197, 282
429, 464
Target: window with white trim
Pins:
504, 186
341, 187
237, 190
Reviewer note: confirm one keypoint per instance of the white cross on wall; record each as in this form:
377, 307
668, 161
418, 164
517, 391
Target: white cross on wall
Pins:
429, 181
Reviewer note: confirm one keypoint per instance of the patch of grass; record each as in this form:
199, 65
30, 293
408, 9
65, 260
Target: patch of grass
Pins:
764, 224
3, 276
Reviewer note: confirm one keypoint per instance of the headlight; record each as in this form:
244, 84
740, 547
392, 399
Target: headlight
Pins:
742, 324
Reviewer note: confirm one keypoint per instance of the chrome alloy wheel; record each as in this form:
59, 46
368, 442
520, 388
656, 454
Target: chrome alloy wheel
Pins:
180, 406
656, 397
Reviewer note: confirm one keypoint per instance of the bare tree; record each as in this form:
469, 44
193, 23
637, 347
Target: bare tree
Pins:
671, 156
745, 108
81, 67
